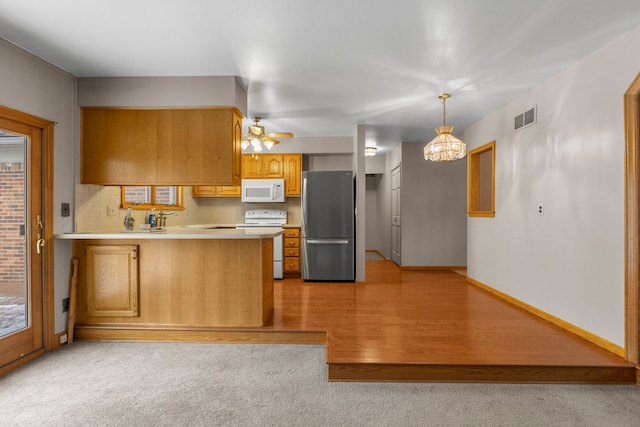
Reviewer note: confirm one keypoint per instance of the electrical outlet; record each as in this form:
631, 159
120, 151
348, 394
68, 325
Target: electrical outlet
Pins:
63, 339
65, 305
540, 209
111, 211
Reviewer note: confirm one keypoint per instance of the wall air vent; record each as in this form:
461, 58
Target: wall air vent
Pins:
525, 119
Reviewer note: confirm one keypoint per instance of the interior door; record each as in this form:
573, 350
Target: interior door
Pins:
22, 242
396, 180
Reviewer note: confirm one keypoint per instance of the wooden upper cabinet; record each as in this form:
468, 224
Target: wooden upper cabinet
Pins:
172, 146
229, 191
204, 191
272, 166
216, 191
292, 167
251, 166
261, 166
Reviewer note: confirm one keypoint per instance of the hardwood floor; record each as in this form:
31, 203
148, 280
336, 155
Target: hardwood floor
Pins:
410, 326
434, 326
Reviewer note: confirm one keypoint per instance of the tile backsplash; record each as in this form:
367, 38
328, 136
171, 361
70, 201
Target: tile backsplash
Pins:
98, 208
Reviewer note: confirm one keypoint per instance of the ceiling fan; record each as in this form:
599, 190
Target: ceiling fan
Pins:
257, 137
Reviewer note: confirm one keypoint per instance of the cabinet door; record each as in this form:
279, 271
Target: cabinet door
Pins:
291, 232
228, 191
112, 281
251, 166
292, 174
237, 147
272, 166
185, 146
291, 265
203, 191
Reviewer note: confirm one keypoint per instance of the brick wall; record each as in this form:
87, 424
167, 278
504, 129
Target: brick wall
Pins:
11, 218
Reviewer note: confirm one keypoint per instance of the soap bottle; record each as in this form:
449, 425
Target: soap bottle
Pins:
129, 222
152, 218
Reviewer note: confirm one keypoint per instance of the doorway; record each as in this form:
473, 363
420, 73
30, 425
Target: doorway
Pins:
396, 181
632, 220
23, 167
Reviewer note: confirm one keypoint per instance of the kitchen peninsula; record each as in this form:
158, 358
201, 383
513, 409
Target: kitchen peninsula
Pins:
152, 285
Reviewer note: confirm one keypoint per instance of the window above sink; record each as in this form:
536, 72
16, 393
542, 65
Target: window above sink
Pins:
165, 197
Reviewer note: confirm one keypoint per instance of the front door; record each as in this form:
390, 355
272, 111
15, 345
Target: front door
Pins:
21, 241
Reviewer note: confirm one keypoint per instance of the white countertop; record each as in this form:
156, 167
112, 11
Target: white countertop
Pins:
199, 231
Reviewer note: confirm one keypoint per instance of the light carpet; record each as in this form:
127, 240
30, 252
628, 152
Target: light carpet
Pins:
185, 384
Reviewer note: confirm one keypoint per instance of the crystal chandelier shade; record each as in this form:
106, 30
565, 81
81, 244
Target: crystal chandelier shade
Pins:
445, 147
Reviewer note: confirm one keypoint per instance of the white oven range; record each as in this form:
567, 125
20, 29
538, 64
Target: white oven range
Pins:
268, 218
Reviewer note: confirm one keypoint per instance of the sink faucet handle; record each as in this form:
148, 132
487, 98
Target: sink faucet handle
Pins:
162, 218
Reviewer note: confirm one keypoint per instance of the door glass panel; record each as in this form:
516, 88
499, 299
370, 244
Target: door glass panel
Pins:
13, 284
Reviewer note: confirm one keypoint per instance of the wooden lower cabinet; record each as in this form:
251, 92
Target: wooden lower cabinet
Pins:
164, 284
291, 251
112, 286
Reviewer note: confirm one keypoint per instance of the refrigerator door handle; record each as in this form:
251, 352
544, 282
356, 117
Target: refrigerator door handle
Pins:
327, 242
304, 205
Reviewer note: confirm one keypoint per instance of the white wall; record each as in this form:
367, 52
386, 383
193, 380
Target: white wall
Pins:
433, 210
162, 92
569, 262
33, 86
342, 162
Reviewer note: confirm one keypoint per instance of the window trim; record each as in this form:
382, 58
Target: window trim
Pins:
473, 183
179, 206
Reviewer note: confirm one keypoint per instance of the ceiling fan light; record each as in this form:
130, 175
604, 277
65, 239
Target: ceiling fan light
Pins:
268, 144
257, 148
255, 142
244, 144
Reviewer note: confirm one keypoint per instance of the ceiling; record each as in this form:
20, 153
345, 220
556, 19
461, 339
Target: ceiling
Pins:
320, 68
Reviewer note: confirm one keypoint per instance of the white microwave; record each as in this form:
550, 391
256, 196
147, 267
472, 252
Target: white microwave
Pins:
263, 190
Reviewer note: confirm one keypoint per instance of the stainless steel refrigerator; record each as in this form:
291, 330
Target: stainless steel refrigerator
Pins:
328, 223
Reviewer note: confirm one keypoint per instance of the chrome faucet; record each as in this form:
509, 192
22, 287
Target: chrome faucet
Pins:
162, 218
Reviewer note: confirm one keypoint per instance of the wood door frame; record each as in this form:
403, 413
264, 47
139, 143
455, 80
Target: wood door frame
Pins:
47, 128
632, 224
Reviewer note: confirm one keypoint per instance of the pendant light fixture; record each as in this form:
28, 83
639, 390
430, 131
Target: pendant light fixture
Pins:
445, 147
